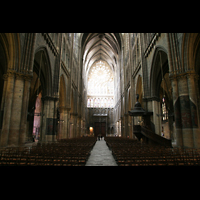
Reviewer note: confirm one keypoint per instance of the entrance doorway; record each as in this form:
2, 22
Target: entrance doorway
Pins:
100, 129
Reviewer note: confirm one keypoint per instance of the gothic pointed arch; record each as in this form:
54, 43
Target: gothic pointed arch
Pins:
160, 55
191, 58
10, 42
9, 62
100, 46
190, 45
44, 71
161, 93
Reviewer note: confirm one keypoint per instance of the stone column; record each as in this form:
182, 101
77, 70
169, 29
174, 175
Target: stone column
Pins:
178, 137
119, 133
63, 122
130, 126
122, 127
43, 120
79, 126
75, 125
48, 121
71, 126
156, 115
126, 125
132, 94
13, 139
10, 76
51, 123
186, 121
191, 79
67, 124
5, 77
23, 126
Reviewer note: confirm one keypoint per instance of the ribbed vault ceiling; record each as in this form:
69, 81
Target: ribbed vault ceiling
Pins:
100, 46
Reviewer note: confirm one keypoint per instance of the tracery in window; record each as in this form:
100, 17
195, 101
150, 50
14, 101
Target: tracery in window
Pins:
100, 85
100, 79
102, 102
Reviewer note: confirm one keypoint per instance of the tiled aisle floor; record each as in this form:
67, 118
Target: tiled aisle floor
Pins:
101, 155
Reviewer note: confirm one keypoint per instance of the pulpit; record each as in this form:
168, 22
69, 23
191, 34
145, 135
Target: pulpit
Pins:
144, 130
145, 116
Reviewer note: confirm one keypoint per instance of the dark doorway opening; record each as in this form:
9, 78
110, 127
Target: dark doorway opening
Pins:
100, 129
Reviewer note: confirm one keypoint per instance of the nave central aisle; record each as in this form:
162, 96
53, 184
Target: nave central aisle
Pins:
101, 155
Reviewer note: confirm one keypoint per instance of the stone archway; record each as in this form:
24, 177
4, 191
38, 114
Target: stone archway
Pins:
35, 105
190, 135
42, 83
3, 69
161, 94
106, 49
34, 109
11, 90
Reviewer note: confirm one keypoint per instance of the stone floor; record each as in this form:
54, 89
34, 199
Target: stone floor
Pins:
101, 155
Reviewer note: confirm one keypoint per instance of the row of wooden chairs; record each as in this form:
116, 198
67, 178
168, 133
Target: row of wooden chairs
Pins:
44, 161
156, 161
133, 153
52, 154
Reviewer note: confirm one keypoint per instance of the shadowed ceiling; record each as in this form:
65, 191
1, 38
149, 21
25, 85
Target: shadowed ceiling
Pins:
100, 46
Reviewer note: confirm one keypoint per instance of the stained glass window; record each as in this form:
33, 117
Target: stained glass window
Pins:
100, 79
91, 102
101, 85
164, 110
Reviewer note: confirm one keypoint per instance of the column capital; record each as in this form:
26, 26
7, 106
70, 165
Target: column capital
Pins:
28, 77
79, 117
74, 114
153, 98
192, 74
181, 76
11, 73
185, 75
19, 76
64, 108
50, 98
5, 77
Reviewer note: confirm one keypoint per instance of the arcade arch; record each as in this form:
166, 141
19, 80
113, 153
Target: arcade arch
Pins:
161, 93
40, 89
